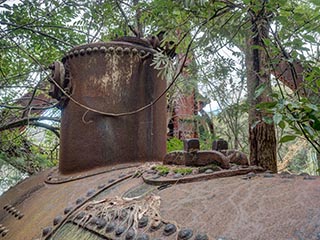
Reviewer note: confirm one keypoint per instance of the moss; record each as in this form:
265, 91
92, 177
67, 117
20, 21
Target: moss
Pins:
162, 170
183, 171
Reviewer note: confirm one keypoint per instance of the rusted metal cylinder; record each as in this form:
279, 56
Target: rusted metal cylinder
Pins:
114, 77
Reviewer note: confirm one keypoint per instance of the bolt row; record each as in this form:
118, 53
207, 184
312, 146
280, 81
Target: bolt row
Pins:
68, 209
3, 230
13, 211
103, 49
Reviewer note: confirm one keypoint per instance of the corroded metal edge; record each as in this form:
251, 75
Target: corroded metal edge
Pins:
202, 176
55, 177
113, 47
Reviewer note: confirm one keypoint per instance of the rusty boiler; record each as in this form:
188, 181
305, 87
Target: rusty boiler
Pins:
115, 180
117, 79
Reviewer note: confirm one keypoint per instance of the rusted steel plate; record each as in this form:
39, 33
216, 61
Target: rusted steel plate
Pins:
114, 77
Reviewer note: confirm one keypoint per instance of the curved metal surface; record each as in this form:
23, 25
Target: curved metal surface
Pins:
114, 77
251, 206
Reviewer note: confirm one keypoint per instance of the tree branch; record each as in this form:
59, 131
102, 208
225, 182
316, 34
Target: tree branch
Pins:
27, 121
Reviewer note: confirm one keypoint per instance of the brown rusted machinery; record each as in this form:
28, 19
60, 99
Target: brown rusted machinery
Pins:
112, 184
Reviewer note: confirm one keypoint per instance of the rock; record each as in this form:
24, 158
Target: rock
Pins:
251, 175
208, 171
177, 175
235, 156
309, 178
268, 175
203, 158
176, 157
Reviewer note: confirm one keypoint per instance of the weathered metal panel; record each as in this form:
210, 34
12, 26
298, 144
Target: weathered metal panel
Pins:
113, 77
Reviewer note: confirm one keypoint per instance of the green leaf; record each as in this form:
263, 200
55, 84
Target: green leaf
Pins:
266, 105
259, 90
282, 124
310, 38
267, 120
277, 117
287, 138
315, 123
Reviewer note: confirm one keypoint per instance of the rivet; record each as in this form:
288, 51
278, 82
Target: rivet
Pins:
120, 230
93, 220
201, 236
17, 214
101, 223
119, 50
57, 220
126, 50
110, 227
143, 222
169, 229
95, 49
134, 50
46, 231
7, 206
143, 236
67, 210
80, 215
14, 211
89, 50
123, 214
82, 52
185, 234
5, 232
10, 210
101, 186
76, 53
142, 52
111, 49
103, 49
90, 192
79, 200
111, 180
130, 234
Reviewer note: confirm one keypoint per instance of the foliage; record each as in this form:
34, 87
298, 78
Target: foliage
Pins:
162, 170
174, 144
35, 33
183, 171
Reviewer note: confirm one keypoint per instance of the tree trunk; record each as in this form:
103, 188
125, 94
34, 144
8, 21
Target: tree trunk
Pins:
262, 137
